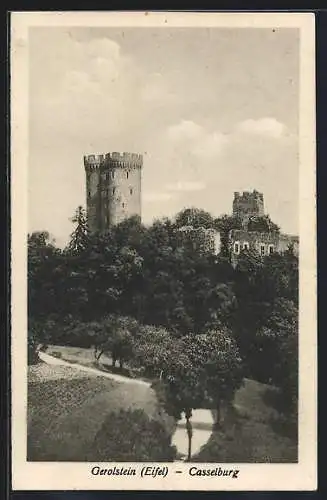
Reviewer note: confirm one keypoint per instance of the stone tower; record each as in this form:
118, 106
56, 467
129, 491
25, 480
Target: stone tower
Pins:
113, 188
248, 205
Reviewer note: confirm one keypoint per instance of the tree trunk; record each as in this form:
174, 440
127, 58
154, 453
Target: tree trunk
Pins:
218, 415
98, 355
189, 431
114, 362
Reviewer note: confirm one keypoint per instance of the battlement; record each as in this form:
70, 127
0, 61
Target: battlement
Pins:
248, 195
113, 160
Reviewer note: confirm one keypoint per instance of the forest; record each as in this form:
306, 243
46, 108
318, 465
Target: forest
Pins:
188, 320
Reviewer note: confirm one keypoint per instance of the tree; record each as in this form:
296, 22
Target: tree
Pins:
32, 346
163, 359
79, 237
152, 351
275, 348
281, 276
287, 371
221, 305
98, 334
197, 370
218, 364
195, 217
266, 291
179, 389
37, 338
115, 336
132, 436
43, 280
224, 224
262, 224
129, 233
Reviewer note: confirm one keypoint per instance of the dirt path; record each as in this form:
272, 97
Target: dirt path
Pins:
51, 360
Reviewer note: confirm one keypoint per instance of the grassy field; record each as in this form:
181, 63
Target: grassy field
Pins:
76, 355
67, 407
251, 431
85, 357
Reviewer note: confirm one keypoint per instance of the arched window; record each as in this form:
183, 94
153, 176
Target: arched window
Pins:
131, 191
262, 249
127, 174
236, 247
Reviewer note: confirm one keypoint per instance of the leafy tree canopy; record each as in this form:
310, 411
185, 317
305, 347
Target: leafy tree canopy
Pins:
195, 217
132, 436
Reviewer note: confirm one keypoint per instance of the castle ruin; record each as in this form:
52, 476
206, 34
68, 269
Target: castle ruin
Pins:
113, 194
113, 188
248, 205
245, 206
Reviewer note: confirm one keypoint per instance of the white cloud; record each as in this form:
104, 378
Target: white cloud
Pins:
91, 95
210, 146
269, 127
185, 130
190, 139
154, 197
154, 88
185, 186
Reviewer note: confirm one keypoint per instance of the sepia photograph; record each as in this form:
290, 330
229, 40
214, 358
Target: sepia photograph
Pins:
163, 228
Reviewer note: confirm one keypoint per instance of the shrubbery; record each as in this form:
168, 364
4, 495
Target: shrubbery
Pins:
99, 282
132, 436
32, 350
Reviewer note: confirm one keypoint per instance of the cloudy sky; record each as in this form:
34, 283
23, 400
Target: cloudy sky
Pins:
213, 111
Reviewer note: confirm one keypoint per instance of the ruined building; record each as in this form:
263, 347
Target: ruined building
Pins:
248, 205
113, 188
201, 239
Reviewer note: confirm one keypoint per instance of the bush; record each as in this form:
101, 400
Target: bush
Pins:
32, 350
34, 338
131, 436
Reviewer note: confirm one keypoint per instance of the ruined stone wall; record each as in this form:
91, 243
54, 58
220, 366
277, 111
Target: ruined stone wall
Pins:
200, 239
248, 205
262, 243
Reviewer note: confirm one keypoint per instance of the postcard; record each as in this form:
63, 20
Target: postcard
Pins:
163, 218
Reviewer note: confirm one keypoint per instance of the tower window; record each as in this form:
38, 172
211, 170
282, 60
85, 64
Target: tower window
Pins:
123, 205
271, 249
107, 176
131, 191
236, 247
113, 174
262, 249
126, 175
89, 193
245, 246
113, 190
